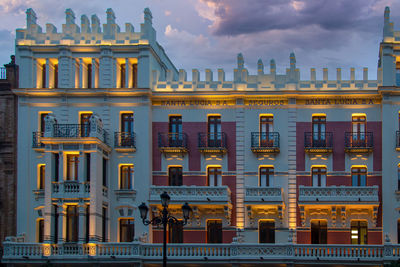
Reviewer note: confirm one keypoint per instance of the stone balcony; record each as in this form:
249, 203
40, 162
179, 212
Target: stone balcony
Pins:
192, 194
70, 189
339, 194
234, 253
263, 195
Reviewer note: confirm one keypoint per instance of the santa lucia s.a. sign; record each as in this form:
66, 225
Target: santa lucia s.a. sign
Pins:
326, 101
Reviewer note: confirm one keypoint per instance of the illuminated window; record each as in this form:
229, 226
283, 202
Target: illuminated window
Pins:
359, 123
72, 167
266, 127
85, 124
359, 176
175, 176
266, 232
266, 176
319, 130
41, 178
359, 232
126, 176
319, 232
318, 176
40, 230
175, 131
175, 233
214, 231
42, 122
214, 176
214, 131
126, 230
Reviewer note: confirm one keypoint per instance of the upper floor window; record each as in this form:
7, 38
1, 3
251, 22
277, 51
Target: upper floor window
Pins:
358, 127
359, 176
214, 131
127, 122
266, 176
122, 75
134, 76
359, 232
72, 224
319, 233
105, 170
214, 231
318, 176
318, 129
175, 233
266, 127
89, 76
42, 122
41, 176
175, 131
72, 167
47, 73
55, 76
214, 177
85, 124
126, 230
175, 176
40, 230
266, 231
44, 77
126, 176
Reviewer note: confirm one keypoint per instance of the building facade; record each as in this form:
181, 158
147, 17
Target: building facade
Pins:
276, 169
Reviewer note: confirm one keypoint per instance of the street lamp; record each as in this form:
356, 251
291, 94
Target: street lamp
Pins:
165, 219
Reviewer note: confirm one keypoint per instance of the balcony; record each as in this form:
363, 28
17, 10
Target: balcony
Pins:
194, 194
339, 194
172, 142
36, 141
318, 142
265, 142
70, 189
125, 141
212, 142
235, 253
263, 195
355, 142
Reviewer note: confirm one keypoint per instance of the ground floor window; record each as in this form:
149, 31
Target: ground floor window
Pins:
266, 232
126, 230
359, 232
175, 233
319, 232
72, 224
214, 231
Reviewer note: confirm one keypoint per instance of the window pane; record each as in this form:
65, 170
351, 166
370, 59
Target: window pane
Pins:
127, 230
214, 231
267, 232
175, 176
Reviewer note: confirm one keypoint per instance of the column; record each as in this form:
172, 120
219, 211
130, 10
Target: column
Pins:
95, 73
105, 68
46, 84
81, 222
143, 69
128, 74
240, 164
81, 73
62, 223
81, 169
61, 164
96, 196
291, 195
48, 207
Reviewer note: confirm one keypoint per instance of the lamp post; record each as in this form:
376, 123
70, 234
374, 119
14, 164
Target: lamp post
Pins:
165, 219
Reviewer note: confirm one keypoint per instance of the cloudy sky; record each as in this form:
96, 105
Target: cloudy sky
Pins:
209, 33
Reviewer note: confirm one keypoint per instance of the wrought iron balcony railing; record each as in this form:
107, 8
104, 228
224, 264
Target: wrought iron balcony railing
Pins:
358, 141
212, 142
265, 142
125, 140
172, 142
36, 140
318, 142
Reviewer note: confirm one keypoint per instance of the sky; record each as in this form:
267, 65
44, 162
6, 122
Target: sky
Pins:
208, 34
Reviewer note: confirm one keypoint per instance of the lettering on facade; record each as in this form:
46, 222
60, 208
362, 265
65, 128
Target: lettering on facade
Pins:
340, 101
197, 102
265, 102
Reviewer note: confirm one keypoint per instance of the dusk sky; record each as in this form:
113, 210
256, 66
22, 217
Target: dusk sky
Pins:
210, 33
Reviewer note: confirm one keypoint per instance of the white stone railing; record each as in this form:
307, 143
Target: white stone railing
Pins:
192, 193
263, 194
235, 252
68, 188
339, 193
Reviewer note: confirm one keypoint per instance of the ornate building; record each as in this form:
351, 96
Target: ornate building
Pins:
276, 169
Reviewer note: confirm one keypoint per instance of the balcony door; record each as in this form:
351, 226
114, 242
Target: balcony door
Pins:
214, 231
318, 176
214, 177
72, 167
359, 176
266, 232
266, 176
214, 131
85, 124
319, 131
127, 129
175, 176
358, 130
175, 131
266, 127
72, 224
319, 232
359, 232
175, 233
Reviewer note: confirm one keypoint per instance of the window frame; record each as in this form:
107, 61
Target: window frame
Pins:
214, 172
320, 233
179, 182
266, 234
130, 227
122, 178
321, 174
356, 173
216, 237
358, 228
266, 176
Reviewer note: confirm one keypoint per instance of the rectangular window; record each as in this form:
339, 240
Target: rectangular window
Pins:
89, 76
43, 122
319, 131
175, 131
104, 225
87, 223
214, 131
175, 233
41, 172
214, 177
214, 231
40, 230
85, 124
175, 176
105, 172
358, 130
266, 232
134, 76
72, 224
44, 76
72, 167
122, 76
56, 166
359, 232
126, 176
56, 76
266, 176
87, 166
55, 223
127, 122
359, 176
126, 230
319, 232
318, 176
266, 128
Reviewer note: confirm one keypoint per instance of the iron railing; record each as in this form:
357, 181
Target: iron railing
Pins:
124, 139
3, 73
36, 140
71, 130
264, 140
172, 140
318, 140
358, 140
212, 140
